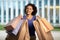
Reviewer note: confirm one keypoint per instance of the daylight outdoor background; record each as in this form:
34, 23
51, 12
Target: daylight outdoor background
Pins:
49, 9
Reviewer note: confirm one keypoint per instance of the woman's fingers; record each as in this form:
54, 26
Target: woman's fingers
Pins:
20, 16
37, 17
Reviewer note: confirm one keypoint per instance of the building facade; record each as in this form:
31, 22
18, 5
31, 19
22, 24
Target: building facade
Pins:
49, 9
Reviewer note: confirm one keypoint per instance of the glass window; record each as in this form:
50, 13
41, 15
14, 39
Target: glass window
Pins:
0, 20
4, 20
14, 4
0, 14
51, 15
0, 11
4, 15
34, 2
45, 12
57, 15
9, 14
45, 2
0, 8
19, 11
57, 2
4, 5
19, 4
9, 4
0, 4
14, 13
24, 3
40, 3
51, 2
29, 1
40, 11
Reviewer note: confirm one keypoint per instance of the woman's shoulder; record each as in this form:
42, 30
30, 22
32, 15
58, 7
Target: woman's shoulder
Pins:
36, 17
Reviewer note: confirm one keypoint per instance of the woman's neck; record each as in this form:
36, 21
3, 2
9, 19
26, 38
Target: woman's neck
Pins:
29, 17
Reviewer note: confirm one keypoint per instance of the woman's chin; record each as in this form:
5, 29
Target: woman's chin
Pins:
28, 14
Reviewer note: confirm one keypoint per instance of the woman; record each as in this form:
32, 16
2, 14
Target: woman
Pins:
30, 11
30, 14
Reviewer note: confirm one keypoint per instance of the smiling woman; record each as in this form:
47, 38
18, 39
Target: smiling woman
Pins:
30, 11
47, 9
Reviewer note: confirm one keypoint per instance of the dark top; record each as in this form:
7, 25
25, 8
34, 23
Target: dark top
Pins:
31, 26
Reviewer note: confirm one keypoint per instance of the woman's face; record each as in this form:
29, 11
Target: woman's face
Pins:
29, 10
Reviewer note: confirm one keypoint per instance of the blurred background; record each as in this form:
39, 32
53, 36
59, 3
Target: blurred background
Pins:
49, 9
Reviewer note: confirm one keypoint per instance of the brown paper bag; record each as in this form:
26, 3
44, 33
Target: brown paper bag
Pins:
27, 36
46, 25
36, 26
46, 35
42, 35
16, 37
24, 32
13, 23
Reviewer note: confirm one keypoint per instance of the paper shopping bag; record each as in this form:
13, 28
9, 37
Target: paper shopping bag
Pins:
42, 35
13, 23
46, 25
18, 27
24, 33
36, 26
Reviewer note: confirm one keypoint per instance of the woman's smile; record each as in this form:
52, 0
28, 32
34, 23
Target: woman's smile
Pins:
29, 10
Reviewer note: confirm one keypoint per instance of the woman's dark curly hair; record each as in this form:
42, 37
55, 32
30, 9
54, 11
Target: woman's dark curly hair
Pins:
34, 9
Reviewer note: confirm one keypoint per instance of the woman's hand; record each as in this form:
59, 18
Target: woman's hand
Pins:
20, 16
38, 17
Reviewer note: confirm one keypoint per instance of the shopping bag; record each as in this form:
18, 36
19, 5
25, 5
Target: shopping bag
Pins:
13, 23
46, 25
42, 35
15, 31
45, 33
42, 27
36, 26
24, 33
27, 36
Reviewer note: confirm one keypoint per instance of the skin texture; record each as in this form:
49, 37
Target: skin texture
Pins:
29, 11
